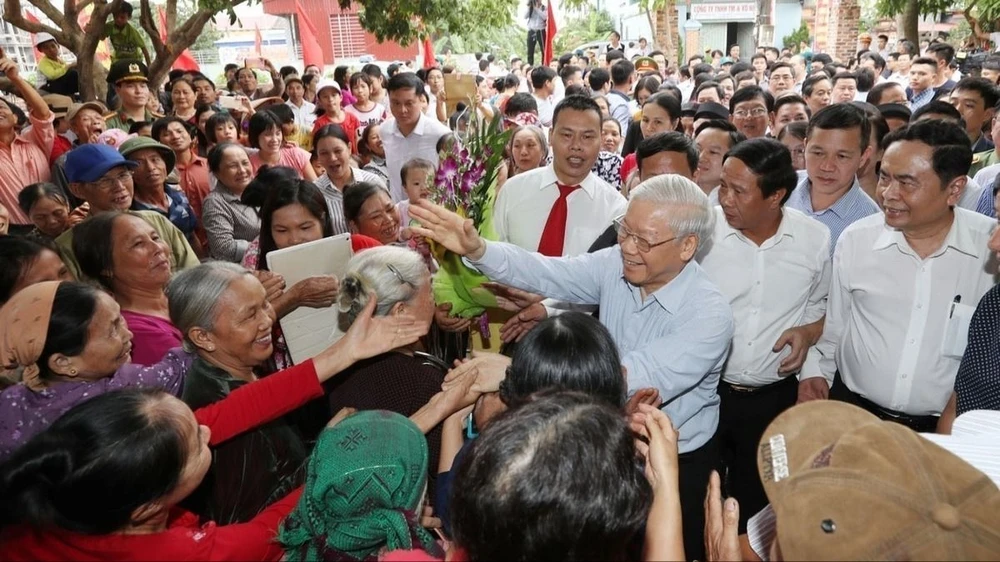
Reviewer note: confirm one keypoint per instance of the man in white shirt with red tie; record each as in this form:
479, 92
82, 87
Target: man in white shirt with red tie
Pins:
903, 282
560, 209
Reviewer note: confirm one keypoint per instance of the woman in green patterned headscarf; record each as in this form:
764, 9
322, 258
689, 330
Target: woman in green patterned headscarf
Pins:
365, 484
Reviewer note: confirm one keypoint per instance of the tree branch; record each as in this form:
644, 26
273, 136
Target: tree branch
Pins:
12, 13
171, 12
146, 20
48, 9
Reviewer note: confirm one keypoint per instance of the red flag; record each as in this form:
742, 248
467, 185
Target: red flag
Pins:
550, 34
31, 17
428, 48
311, 51
257, 40
185, 61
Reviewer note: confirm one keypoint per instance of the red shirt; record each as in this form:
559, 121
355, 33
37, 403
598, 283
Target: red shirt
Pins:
185, 537
628, 165
60, 146
350, 125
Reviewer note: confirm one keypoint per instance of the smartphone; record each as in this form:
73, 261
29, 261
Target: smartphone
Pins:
229, 102
255, 62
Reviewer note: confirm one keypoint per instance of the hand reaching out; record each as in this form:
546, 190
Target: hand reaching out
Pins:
447, 228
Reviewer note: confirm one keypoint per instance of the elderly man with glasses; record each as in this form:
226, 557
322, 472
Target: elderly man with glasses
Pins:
102, 177
672, 325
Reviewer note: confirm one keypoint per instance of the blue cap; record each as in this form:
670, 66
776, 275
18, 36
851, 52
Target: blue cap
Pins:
88, 162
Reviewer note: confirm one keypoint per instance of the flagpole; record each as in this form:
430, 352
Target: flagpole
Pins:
291, 19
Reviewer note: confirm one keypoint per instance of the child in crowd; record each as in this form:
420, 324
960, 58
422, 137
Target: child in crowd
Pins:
365, 109
61, 78
126, 43
220, 128
417, 175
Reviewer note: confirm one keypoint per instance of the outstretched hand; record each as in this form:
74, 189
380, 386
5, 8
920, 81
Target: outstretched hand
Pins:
447, 228
370, 335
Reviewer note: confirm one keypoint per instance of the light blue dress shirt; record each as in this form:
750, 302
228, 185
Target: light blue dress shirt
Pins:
676, 340
852, 206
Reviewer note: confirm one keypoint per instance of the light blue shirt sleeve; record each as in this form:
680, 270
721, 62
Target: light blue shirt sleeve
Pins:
574, 280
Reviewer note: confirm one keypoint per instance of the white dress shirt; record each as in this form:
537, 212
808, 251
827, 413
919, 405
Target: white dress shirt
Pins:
886, 316
421, 143
523, 206
971, 194
781, 284
305, 116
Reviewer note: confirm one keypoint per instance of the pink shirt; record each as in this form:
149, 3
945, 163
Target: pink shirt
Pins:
152, 337
293, 157
24, 162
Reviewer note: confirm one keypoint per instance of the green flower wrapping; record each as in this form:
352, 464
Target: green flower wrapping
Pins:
465, 183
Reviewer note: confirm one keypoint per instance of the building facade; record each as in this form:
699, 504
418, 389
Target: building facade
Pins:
339, 32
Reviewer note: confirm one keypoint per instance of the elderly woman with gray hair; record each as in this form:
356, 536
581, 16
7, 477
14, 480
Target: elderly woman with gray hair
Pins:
403, 379
672, 325
225, 318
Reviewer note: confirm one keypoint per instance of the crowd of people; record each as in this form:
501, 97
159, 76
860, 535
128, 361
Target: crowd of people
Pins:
747, 309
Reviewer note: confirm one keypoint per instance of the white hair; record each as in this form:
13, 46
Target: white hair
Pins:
194, 295
688, 208
394, 274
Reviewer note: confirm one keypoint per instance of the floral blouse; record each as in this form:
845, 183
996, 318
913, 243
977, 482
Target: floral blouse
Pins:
25, 413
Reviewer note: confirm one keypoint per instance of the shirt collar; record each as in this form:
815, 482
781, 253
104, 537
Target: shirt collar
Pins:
842, 208
959, 238
199, 161
783, 231
548, 177
393, 127
672, 296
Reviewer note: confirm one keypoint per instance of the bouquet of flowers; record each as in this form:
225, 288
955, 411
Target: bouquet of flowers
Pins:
466, 184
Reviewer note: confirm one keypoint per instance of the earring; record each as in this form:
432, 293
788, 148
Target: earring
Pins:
72, 371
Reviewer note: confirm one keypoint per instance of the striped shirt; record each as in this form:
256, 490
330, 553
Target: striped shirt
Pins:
335, 198
229, 224
852, 206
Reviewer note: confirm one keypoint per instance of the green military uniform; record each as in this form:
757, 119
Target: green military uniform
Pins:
982, 160
127, 71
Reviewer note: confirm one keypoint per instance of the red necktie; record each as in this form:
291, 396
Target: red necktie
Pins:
554, 233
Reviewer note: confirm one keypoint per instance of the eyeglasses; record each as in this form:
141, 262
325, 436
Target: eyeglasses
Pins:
641, 244
107, 184
755, 112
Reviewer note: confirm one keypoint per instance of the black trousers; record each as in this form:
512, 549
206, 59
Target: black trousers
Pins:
695, 467
535, 36
744, 416
66, 85
921, 424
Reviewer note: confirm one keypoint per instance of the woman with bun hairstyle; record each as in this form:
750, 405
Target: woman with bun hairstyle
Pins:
403, 379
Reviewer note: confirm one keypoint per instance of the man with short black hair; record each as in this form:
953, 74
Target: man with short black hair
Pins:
923, 73
666, 153
409, 133
974, 98
902, 281
781, 78
788, 108
759, 64
713, 139
875, 62
943, 55
542, 83
749, 109
622, 78
883, 45
773, 265
837, 144
734, 52
599, 80
845, 87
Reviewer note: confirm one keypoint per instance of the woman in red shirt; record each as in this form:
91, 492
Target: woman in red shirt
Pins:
105, 480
